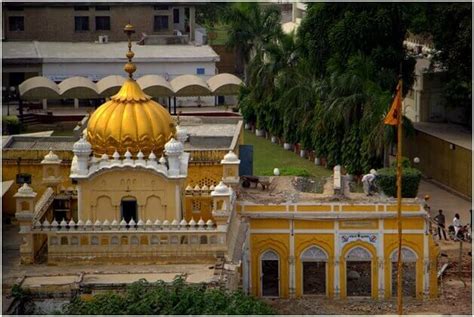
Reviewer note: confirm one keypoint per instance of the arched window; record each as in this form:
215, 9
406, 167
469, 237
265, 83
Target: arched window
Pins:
409, 259
313, 261
359, 272
114, 240
270, 274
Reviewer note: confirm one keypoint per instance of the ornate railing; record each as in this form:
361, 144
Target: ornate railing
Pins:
43, 204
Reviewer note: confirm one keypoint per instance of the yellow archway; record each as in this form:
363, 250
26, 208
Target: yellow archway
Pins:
374, 267
328, 247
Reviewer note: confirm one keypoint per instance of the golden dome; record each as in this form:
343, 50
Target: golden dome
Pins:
130, 120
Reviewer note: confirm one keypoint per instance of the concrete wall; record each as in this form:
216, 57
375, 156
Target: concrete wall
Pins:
96, 71
56, 22
451, 167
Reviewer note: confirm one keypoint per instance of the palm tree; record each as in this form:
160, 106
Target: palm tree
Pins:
251, 26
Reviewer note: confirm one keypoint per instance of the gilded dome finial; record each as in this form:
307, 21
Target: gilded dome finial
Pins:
130, 67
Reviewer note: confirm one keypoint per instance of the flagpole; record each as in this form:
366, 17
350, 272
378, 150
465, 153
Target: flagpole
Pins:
399, 204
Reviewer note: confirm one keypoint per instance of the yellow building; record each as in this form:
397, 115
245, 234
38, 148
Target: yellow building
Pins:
135, 199
351, 247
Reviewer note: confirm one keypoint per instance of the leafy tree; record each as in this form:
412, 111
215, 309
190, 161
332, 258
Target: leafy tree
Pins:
451, 29
251, 26
211, 13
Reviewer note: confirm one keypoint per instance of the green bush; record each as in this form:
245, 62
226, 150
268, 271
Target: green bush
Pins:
177, 298
11, 125
386, 180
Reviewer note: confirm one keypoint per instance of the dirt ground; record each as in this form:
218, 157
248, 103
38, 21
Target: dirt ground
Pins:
454, 298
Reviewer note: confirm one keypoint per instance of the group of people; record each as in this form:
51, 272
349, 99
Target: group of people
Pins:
441, 222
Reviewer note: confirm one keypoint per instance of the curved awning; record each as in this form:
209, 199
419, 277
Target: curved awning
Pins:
110, 85
224, 84
155, 86
38, 88
78, 87
190, 85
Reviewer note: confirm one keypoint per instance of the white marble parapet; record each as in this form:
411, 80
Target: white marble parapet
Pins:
106, 163
132, 225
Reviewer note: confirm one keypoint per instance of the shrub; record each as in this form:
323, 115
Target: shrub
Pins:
177, 298
11, 125
386, 180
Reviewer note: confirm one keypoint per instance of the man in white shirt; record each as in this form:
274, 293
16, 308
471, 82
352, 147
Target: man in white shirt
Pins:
456, 225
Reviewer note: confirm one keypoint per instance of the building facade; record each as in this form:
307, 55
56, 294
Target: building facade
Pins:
135, 200
86, 22
336, 250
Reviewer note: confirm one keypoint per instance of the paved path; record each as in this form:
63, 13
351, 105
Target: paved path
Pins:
448, 202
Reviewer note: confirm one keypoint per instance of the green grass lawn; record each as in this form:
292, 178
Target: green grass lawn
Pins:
267, 156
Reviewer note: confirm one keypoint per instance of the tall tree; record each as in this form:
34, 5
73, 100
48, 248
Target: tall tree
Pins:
251, 26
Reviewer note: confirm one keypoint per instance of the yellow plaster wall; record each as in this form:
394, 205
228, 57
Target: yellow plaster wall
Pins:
359, 224
201, 174
205, 211
263, 208
358, 207
313, 224
322, 241
405, 207
304, 208
155, 195
9, 172
407, 223
269, 224
260, 243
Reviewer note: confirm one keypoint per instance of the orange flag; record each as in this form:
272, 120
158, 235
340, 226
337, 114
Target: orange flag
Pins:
393, 114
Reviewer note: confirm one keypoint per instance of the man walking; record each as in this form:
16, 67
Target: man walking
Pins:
441, 220
457, 226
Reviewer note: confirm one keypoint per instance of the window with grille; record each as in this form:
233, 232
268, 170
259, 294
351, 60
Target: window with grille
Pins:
81, 24
160, 23
196, 205
16, 23
207, 181
102, 23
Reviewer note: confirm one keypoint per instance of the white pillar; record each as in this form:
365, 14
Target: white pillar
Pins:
79, 202
426, 267
337, 254
381, 262
45, 104
178, 214
292, 260
76, 103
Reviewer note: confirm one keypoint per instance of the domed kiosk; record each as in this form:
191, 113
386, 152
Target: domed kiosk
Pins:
129, 167
130, 120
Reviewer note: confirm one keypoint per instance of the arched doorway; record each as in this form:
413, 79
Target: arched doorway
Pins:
314, 269
358, 272
409, 259
270, 274
128, 209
